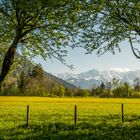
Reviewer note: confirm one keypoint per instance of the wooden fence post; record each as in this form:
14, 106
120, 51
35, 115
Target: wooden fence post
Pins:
27, 116
75, 114
122, 113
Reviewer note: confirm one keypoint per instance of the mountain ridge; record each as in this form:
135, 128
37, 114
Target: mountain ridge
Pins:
27, 64
94, 77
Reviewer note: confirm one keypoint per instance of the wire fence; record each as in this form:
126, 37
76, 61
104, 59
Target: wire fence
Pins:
69, 113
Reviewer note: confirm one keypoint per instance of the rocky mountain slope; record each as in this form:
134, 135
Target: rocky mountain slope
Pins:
95, 77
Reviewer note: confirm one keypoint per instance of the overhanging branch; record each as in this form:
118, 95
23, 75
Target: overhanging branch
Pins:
133, 49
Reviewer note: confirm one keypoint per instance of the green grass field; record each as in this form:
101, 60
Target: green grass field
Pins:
53, 118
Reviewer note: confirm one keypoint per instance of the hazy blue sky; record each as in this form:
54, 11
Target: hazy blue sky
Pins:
83, 62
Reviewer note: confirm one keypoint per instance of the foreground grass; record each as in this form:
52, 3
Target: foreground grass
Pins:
82, 131
53, 118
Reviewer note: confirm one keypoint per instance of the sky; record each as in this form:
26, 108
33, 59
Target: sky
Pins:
82, 62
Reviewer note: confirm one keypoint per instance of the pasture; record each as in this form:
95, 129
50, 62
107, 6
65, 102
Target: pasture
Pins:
53, 118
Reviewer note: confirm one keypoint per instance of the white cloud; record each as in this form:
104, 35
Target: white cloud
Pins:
119, 69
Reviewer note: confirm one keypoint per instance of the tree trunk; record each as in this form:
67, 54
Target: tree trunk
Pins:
8, 60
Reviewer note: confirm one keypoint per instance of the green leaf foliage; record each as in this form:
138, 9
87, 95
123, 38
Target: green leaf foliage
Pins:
111, 23
45, 28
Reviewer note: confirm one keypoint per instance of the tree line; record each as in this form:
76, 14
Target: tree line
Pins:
34, 82
118, 89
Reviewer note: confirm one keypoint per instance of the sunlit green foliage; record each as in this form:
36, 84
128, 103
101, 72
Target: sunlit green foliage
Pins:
110, 24
61, 91
39, 28
82, 92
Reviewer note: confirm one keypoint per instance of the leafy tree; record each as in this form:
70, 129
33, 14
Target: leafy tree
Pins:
97, 91
102, 86
93, 92
22, 81
122, 90
55, 90
108, 86
137, 84
37, 72
127, 88
106, 94
115, 82
117, 91
61, 91
36, 81
112, 22
82, 92
33, 82
39, 27
69, 92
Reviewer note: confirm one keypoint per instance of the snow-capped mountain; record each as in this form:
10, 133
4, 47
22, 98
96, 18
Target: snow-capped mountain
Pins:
95, 77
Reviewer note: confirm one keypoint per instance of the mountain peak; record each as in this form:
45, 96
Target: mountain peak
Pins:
96, 77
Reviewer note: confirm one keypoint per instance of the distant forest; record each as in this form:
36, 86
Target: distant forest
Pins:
34, 82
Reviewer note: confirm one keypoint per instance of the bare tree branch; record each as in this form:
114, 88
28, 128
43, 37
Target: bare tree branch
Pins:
133, 49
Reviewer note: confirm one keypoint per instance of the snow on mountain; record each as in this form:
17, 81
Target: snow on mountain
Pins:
95, 77
119, 69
